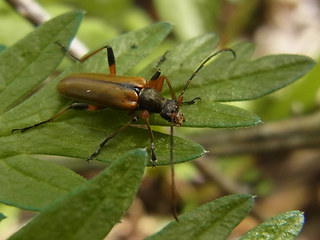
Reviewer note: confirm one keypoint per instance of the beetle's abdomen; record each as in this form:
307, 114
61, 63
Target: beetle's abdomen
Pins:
119, 93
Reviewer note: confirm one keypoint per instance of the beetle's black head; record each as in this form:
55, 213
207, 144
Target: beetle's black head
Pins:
170, 110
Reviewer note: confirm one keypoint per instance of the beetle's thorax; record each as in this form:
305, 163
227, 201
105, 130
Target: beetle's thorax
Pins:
152, 101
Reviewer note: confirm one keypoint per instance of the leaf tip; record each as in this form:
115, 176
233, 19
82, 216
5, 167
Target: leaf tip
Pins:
165, 25
140, 154
2, 216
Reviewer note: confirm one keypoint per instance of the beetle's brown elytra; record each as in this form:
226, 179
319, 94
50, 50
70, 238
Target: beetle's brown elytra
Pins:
97, 91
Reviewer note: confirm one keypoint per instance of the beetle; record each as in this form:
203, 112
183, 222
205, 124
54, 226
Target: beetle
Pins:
97, 91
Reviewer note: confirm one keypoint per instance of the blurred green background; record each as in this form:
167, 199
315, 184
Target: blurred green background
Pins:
285, 176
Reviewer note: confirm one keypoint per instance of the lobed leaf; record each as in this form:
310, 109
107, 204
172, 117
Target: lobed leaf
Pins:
92, 209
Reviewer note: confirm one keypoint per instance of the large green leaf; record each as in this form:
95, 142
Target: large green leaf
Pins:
28, 62
284, 226
80, 136
92, 209
214, 115
39, 182
214, 220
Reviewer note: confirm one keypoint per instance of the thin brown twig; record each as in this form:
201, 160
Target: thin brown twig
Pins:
36, 15
227, 185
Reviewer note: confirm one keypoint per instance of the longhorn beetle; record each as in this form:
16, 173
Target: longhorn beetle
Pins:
98, 91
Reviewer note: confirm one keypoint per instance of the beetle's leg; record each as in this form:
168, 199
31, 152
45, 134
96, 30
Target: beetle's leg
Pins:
70, 55
110, 136
74, 106
162, 59
193, 101
111, 58
111, 61
156, 82
145, 115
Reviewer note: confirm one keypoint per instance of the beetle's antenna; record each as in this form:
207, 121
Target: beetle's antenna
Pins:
173, 186
180, 99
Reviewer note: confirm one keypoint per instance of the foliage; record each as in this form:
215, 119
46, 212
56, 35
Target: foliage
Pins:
217, 218
92, 209
64, 198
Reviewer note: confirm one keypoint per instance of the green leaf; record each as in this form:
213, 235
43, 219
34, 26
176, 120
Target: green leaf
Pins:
133, 47
28, 62
301, 96
39, 182
217, 115
229, 79
214, 220
284, 226
80, 136
214, 115
92, 209
2, 217
179, 63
